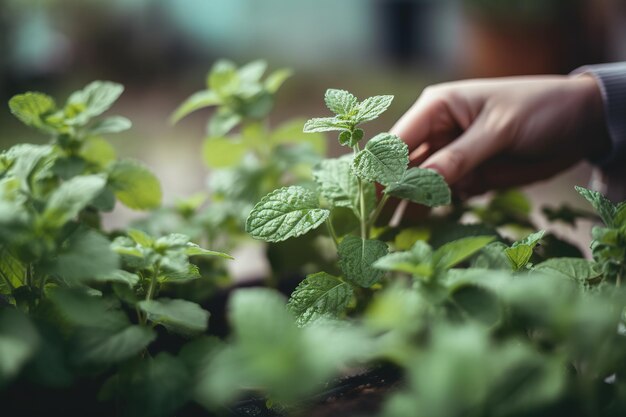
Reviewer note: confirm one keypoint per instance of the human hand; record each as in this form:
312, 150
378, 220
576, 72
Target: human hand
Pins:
497, 133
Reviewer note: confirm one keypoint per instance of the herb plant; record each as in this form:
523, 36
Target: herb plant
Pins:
73, 301
349, 182
247, 157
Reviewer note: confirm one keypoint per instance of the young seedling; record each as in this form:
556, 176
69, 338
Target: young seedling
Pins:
51, 195
154, 263
346, 182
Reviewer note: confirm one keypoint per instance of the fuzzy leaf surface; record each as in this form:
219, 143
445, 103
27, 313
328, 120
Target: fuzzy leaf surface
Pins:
338, 185
384, 160
357, 257
285, 213
603, 206
340, 101
575, 268
319, 295
372, 107
325, 124
422, 186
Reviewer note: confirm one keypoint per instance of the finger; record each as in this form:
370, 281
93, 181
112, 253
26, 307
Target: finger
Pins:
416, 125
475, 145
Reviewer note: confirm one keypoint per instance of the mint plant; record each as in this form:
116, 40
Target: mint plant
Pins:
609, 242
84, 303
247, 156
346, 182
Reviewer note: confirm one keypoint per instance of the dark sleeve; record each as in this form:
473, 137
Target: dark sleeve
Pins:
610, 179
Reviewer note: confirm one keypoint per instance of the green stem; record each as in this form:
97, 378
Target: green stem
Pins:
361, 202
153, 281
379, 209
143, 318
362, 209
331, 232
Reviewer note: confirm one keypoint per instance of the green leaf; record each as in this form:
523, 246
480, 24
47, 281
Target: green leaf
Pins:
325, 124
114, 124
372, 107
619, 217
320, 295
356, 258
142, 238
337, 184
492, 256
603, 206
530, 240
422, 186
11, 270
575, 268
87, 255
457, 251
97, 151
521, 251
285, 213
224, 78
31, 108
259, 318
417, 261
70, 198
134, 185
222, 122
194, 250
252, 71
519, 256
98, 346
196, 101
276, 79
291, 133
340, 102
93, 100
384, 159
80, 309
179, 316
119, 276
220, 152
19, 342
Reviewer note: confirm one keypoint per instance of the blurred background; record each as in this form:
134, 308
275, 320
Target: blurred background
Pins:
162, 49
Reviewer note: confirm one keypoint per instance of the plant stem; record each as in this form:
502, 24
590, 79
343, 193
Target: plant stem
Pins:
378, 210
362, 208
364, 222
331, 232
153, 281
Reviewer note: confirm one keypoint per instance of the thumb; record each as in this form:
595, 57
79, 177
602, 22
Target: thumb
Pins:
477, 144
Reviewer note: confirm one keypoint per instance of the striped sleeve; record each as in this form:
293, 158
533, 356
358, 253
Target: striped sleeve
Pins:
610, 178
612, 81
